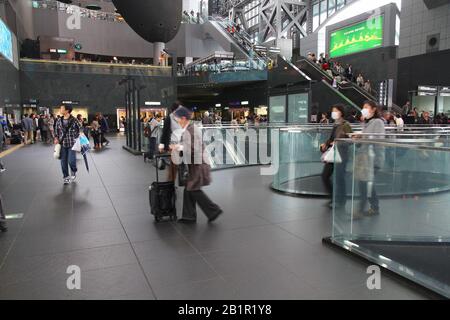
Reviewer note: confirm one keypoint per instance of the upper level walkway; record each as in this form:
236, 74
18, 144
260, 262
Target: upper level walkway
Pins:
36, 65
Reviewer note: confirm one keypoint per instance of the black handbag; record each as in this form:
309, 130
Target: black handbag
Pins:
183, 174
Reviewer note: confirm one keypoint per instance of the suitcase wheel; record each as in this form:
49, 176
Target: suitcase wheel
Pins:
158, 219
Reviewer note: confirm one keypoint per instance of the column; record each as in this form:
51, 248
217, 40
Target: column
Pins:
158, 48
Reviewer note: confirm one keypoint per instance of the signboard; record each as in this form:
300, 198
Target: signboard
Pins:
277, 109
444, 91
298, 108
360, 37
6, 42
427, 91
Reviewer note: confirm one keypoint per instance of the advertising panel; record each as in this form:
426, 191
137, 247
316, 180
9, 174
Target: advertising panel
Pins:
357, 38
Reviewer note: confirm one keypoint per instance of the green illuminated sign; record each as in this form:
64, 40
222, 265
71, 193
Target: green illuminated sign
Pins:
359, 37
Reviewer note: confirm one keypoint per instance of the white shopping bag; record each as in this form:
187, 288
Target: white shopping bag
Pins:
332, 156
77, 146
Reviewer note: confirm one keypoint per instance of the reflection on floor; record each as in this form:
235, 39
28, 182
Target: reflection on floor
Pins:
425, 262
399, 184
265, 246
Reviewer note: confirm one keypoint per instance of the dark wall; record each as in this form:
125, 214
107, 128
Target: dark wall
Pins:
99, 93
376, 65
9, 83
428, 69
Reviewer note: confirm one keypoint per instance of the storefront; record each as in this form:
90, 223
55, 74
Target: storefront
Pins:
84, 111
434, 99
146, 113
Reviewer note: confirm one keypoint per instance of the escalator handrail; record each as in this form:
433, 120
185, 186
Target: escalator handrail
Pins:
303, 59
350, 102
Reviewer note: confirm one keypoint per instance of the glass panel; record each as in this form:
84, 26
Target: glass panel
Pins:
277, 109
323, 11
298, 107
299, 160
331, 7
316, 20
391, 206
340, 4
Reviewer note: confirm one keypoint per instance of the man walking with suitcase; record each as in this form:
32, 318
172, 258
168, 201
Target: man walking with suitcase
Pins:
199, 174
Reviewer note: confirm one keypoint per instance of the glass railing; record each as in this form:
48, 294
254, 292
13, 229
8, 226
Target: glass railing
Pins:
390, 205
230, 146
37, 65
293, 149
300, 164
83, 12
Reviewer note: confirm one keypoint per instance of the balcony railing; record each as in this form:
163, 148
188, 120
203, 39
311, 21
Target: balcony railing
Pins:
94, 68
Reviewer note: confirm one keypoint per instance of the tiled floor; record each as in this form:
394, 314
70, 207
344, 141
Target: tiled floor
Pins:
265, 246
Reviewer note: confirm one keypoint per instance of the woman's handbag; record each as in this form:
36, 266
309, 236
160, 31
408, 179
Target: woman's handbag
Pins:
183, 174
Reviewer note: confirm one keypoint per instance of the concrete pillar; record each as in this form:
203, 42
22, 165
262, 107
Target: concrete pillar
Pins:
158, 48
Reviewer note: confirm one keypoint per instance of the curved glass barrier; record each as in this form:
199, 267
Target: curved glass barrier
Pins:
300, 165
299, 160
375, 217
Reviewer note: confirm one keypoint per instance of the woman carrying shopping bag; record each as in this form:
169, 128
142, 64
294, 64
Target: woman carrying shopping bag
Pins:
332, 155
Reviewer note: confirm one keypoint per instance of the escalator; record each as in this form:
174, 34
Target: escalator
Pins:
323, 94
354, 93
239, 43
350, 90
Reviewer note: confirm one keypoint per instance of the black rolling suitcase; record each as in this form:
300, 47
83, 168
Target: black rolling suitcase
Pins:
163, 197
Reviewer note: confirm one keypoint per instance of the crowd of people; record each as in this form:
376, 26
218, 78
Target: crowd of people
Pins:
34, 128
339, 73
409, 116
192, 18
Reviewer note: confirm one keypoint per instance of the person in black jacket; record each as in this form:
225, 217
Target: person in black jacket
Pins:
167, 129
168, 138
